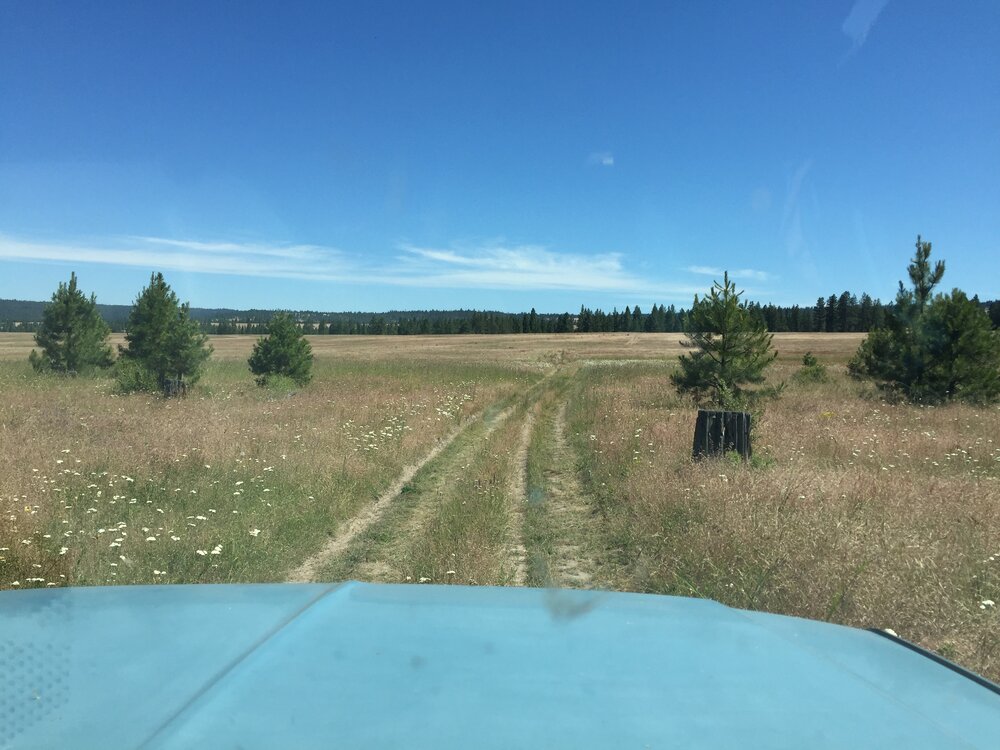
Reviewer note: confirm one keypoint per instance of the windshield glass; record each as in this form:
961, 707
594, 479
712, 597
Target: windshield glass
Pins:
695, 299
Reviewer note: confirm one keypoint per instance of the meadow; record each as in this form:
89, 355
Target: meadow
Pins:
512, 460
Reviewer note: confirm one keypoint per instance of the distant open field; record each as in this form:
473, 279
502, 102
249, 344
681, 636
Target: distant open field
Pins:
519, 348
512, 460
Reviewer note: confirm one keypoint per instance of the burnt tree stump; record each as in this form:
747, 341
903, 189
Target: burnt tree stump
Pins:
174, 387
718, 432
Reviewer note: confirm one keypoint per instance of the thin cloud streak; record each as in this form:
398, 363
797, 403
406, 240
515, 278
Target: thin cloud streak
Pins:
302, 252
290, 262
793, 227
861, 19
525, 267
493, 266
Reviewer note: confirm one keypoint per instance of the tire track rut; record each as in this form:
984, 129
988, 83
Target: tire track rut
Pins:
357, 525
383, 568
378, 543
518, 497
573, 563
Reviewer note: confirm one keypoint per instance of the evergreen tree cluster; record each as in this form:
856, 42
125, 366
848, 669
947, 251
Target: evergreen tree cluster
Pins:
165, 349
847, 313
933, 348
836, 313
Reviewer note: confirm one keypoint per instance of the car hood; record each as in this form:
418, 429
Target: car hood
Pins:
401, 666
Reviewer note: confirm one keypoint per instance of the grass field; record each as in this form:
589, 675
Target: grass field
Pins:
512, 460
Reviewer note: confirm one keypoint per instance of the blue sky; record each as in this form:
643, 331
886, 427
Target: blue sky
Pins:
375, 156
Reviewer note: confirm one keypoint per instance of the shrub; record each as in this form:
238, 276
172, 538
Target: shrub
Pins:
132, 376
812, 370
283, 351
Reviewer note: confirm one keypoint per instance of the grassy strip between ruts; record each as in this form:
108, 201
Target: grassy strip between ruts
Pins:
539, 533
451, 523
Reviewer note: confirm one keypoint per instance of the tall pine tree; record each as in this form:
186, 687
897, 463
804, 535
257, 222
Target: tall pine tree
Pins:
72, 336
162, 339
932, 349
731, 349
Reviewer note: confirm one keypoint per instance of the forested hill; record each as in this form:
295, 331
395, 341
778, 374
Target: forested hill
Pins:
27, 312
836, 313
24, 315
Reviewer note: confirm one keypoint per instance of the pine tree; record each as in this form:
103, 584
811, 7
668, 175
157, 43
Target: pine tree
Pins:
932, 349
162, 340
284, 351
732, 348
72, 335
960, 352
533, 324
994, 311
923, 278
845, 305
866, 316
831, 314
819, 315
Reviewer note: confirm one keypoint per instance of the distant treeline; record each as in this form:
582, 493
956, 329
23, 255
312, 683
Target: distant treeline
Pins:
836, 313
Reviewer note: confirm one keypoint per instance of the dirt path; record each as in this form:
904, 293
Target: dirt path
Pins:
518, 496
572, 526
564, 545
442, 473
308, 570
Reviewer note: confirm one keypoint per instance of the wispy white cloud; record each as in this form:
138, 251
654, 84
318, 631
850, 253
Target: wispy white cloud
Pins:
525, 267
739, 273
300, 252
493, 265
601, 159
791, 216
275, 261
861, 19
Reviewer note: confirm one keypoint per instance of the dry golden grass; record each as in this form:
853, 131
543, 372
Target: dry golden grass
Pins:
96, 486
856, 511
500, 348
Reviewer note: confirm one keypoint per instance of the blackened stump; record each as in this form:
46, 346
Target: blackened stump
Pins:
718, 432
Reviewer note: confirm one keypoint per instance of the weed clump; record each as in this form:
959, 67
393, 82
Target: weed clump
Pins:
812, 370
